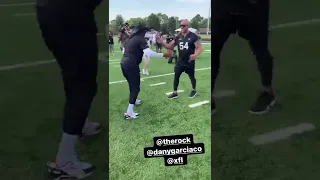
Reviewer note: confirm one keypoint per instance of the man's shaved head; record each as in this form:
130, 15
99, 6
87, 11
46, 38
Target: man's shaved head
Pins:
184, 26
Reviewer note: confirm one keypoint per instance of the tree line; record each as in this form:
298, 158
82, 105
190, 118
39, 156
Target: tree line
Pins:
159, 22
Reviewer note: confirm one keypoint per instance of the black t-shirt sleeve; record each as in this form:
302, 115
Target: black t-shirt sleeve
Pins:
143, 44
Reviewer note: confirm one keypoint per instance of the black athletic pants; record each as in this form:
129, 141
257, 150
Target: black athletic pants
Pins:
132, 75
71, 38
252, 28
188, 69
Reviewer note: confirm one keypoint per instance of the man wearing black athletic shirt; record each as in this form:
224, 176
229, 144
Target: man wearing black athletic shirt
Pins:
250, 19
135, 47
69, 31
189, 48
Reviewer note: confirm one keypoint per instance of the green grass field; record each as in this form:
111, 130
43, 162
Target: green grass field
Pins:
297, 83
32, 98
159, 117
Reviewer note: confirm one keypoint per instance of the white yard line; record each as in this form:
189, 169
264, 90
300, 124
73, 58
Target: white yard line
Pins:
281, 134
158, 84
179, 91
18, 4
24, 14
198, 104
23, 65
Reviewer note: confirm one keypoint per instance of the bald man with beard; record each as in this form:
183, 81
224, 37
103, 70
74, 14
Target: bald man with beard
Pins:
189, 48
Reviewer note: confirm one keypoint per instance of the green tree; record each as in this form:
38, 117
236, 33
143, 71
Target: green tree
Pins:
133, 21
153, 22
171, 24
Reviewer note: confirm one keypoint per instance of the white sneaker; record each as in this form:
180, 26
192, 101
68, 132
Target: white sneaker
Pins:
131, 116
138, 102
147, 73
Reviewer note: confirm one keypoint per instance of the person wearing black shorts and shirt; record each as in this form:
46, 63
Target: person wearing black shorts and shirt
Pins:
111, 44
189, 48
69, 31
250, 19
135, 47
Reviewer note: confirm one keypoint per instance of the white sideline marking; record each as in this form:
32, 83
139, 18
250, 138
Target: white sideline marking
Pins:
158, 84
24, 14
31, 64
198, 104
117, 66
224, 93
208, 50
22, 65
18, 4
179, 91
155, 76
281, 134
115, 62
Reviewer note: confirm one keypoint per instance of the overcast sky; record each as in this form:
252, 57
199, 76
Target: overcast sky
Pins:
184, 9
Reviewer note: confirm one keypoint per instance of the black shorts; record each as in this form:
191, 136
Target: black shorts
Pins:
131, 73
188, 69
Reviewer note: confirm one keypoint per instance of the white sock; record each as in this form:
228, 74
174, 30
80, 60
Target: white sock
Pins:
130, 108
143, 71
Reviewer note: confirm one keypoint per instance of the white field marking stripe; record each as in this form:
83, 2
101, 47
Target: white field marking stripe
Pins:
198, 104
15, 66
155, 76
29, 64
295, 24
115, 62
179, 91
281, 134
158, 84
18, 4
224, 93
117, 66
24, 14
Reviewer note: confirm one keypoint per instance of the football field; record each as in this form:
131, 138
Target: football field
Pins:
32, 98
159, 116
295, 47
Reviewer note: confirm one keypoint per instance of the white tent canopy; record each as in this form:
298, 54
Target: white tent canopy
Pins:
190, 29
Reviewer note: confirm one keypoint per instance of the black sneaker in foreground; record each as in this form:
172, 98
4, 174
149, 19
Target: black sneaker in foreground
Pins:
70, 171
173, 96
263, 103
193, 94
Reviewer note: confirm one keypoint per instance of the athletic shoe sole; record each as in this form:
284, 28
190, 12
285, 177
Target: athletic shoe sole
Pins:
267, 109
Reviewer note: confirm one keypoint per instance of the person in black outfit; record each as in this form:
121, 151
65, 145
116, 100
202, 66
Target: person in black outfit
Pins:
250, 19
111, 44
189, 48
69, 31
135, 47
